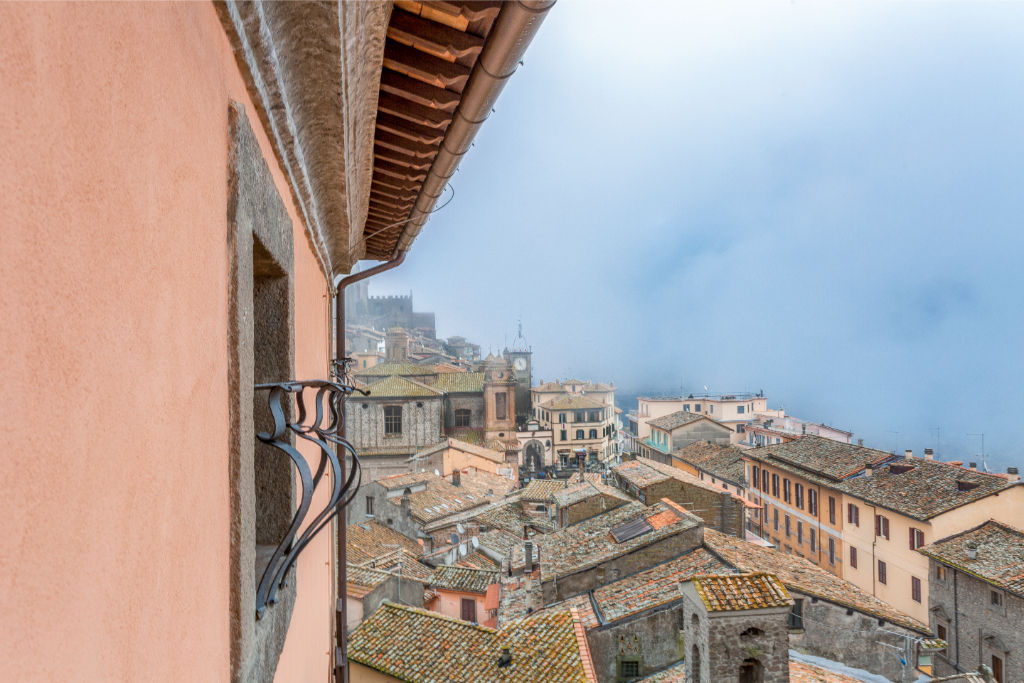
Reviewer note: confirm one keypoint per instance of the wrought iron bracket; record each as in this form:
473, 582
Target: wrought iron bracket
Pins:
324, 427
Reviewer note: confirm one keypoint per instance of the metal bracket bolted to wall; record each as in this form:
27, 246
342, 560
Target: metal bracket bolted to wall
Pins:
323, 427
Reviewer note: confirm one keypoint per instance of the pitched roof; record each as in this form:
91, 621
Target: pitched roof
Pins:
460, 382
416, 645
462, 579
1000, 556
803, 576
401, 562
579, 492
395, 368
736, 592
645, 471
724, 462
465, 447
439, 498
542, 489
591, 542
573, 402
656, 586
394, 386
361, 580
678, 419
368, 540
922, 488
820, 459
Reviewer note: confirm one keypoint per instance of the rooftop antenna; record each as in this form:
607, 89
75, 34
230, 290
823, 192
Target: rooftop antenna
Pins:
705, 391
982, 435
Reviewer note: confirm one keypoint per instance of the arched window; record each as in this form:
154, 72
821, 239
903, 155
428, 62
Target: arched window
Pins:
593, 433
463, 417
695, 655
579, 433
752, 632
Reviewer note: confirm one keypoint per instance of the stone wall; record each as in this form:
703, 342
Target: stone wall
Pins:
854, 639
421, 424
585, 509
474, 403
701, 430
616, 568
975, 628
411, 594
719, 510
655, 638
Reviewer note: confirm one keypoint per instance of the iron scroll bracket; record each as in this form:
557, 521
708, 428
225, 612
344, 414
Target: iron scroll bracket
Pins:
323, 426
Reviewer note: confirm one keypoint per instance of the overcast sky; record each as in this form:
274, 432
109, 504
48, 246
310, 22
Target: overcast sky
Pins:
821, 200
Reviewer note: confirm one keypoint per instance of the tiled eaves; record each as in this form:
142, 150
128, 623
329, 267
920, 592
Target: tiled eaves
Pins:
1000, 557
736, 592
464, 579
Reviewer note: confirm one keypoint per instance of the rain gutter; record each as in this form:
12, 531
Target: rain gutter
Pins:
513, 30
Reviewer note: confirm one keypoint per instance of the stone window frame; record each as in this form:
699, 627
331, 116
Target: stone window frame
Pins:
394, 421
259, 229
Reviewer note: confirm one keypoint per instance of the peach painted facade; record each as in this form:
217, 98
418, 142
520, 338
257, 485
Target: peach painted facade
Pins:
114, 192
449, 603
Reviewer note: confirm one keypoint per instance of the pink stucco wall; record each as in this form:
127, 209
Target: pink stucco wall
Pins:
113, 192
449, 603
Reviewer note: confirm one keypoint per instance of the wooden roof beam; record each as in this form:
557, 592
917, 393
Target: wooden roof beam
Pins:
437, 39
425, 67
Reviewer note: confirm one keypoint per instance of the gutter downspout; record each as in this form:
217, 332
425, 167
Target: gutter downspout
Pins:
341, 607
513, 30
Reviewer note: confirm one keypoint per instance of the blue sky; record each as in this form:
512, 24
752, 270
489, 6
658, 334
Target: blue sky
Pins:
822, 200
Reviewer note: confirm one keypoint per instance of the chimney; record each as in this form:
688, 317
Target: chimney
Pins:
457, 478
1012, 474
908, 454
860, 442
973, 466
928, 454
868, 469
505, 660
972, 550
528, 552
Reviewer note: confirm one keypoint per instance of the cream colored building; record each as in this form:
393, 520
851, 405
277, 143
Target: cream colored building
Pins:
580, 415
891, 511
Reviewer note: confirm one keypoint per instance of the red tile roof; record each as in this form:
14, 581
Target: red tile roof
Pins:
735, 592
999, 559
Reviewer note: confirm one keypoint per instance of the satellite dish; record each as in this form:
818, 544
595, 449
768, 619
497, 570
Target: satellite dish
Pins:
455, 539
475, 541
461, 529
436, 473
462, 550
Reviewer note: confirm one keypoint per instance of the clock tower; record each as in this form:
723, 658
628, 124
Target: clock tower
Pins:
521, 357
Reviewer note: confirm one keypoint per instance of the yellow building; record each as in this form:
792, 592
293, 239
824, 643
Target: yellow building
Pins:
580, 415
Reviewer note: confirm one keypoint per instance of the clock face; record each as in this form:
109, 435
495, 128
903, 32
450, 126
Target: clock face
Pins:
520, 363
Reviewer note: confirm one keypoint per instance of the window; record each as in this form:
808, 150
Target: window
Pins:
812, 538
775, 518
853, 557
739, 409
462, 417
740, 429
882, 526
501, 406
785, 490
996, 598
799, 532
579, 416
940, 572
754, 479
831, 510
915, 588
796, 615
369, 506
561, 418
916, 538
798, 489
711, 409
831, 550
593, 433
696, 407
775, 485
940, 631
764, 480
686, 407
392, 420
579, 433
469, 609
629, 668
812, 501
853, 514
881, 572
997, 669
562, 435
787, 526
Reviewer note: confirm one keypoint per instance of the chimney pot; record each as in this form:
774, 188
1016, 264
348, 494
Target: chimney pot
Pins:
973, 465
908, 454
868, 470
860, 442
1012, 472
457, 478
929, 454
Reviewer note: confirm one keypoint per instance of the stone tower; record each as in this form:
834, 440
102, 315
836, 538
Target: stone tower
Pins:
396, 345
736, 628
521, 358
499, 399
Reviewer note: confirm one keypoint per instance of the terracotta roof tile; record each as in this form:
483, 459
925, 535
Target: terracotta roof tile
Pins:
574, 402
820, 459
921, 488
460, 382
735, 592
1000, 554
416, 645
462, 579
677, 419
438, 498
803, 576
368, 540
393, 386
723, 462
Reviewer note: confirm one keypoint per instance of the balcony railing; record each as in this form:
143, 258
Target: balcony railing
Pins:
322, 426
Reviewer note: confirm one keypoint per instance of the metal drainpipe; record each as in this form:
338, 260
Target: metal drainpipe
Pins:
341, 609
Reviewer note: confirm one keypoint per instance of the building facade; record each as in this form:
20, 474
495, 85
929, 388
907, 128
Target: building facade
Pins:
581, 418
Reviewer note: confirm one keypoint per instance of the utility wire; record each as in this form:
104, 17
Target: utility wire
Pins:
448, 186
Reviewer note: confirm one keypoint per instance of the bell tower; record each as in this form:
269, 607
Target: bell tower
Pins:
521, 358
499, 399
